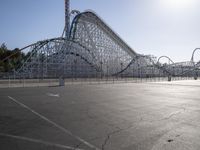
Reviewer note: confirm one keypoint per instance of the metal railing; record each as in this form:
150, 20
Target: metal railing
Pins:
11, 82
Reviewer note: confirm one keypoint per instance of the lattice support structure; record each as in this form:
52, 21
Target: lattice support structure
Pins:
92, 49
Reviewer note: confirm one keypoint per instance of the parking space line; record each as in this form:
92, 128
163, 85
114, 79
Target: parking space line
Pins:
39, 141
54, 124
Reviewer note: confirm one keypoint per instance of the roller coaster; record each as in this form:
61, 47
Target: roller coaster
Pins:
90, 48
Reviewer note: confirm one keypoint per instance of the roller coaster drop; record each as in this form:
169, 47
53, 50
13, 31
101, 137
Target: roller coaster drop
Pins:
90, 48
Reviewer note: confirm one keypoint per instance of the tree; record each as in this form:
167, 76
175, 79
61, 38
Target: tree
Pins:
10, 59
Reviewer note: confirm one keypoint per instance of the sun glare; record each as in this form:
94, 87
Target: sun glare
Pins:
179, 4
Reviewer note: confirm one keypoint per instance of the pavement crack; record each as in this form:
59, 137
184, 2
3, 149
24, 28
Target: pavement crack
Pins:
175, 113
78, 146
170, 115
109, 135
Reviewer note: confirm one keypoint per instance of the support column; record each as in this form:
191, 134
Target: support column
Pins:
67, 18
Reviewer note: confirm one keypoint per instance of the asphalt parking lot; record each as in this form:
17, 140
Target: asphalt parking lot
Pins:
125, 116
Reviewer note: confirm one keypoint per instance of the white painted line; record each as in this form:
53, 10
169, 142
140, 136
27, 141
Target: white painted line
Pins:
39, 141
53, 95
54, 124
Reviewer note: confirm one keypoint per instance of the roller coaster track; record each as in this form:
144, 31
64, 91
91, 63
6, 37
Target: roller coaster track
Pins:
94, 42
123, 70
164, 68
40, 44
156, 65
95, 19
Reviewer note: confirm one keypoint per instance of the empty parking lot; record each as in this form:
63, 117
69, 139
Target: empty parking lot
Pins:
125, 116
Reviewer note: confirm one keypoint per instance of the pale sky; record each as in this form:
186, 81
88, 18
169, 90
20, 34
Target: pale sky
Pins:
158, 27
